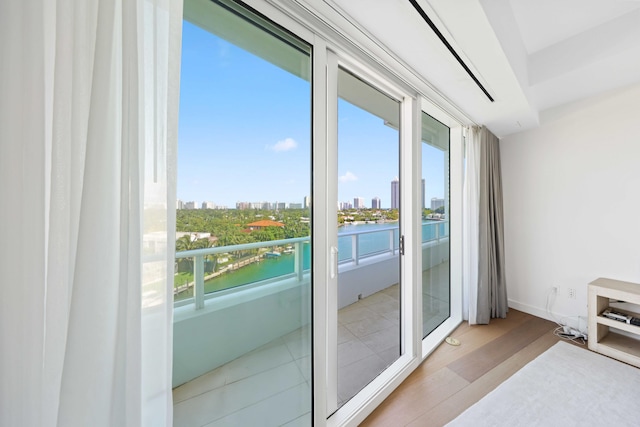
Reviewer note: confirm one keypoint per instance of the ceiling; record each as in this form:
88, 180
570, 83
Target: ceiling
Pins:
531, 55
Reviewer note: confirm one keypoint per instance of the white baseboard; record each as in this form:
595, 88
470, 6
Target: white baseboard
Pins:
542, 313
530, 309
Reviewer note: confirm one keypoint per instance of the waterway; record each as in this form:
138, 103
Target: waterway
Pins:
372, 238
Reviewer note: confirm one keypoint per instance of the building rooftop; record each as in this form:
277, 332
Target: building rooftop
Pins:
265, 223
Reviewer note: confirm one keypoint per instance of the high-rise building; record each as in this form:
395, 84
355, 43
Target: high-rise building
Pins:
395, 193
191, 205
436, 203
307, 202
179, 204
375, 203
208, 205
358, 203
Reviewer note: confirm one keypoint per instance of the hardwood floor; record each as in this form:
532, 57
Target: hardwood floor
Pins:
453, 378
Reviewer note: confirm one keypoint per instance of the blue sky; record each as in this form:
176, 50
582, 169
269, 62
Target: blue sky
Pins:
245, 126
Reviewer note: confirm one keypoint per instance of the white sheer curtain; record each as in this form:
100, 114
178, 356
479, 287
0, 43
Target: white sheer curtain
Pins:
88, 118
471, 197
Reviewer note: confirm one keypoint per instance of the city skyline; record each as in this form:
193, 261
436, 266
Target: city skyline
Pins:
358, 202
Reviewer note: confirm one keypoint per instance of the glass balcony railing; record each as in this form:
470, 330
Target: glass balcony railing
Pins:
203, 273
215, 269
355, 246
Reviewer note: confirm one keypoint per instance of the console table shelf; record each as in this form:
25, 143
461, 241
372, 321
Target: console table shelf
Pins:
604, 336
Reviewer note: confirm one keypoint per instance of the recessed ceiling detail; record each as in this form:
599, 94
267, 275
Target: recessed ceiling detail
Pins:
531, 56
444, 41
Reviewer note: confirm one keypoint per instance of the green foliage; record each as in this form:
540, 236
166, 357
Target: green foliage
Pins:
182, 278
392, 215
268, 233
228, 225
185, 243
363, 215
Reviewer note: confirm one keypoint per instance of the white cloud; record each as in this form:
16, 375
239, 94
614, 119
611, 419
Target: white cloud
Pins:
224, 54
284, 145
348, 177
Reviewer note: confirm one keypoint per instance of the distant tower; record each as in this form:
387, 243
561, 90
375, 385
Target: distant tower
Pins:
436, 203
395, 193
307, 202
358, 203
375, 203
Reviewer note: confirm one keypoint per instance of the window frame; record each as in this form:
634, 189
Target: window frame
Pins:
336, 42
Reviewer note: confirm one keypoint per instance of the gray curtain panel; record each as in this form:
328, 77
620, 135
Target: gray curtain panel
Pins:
492, 290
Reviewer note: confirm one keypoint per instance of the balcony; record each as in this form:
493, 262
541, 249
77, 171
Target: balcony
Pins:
265, 325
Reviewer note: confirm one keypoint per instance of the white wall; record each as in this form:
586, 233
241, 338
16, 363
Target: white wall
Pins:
572, 202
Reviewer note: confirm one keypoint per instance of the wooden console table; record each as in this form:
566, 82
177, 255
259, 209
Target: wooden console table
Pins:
604, 333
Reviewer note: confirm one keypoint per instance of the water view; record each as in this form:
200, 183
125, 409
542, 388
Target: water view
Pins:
367, 239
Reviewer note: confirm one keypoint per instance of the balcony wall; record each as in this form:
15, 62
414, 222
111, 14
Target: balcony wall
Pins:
203, 341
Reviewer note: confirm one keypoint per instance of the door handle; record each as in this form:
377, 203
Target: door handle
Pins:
333, 269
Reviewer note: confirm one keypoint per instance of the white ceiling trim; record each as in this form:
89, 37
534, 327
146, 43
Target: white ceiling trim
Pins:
530, 55
620, 36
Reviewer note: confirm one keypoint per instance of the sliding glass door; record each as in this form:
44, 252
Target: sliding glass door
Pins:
366, 294
254, 130
435, 220
242, 317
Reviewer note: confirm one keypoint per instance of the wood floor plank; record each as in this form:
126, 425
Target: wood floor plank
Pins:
449, 409
471, 337
409, 403
478, 362
453, 378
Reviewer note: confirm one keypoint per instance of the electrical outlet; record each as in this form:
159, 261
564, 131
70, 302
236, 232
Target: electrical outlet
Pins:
572, 293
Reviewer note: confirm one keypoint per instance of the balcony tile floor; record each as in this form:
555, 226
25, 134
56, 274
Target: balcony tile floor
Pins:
270, 386
435, 296
240, 393
368, 340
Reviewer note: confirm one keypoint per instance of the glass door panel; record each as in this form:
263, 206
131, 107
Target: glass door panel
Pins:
242, 336
368, 294
436, 285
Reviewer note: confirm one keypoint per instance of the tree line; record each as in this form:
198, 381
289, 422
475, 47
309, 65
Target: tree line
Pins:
229, 226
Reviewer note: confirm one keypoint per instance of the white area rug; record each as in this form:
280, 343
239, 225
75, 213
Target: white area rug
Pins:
564, 386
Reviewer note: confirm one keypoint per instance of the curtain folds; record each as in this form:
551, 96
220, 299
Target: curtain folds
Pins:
484, 235
470, 232
88, 123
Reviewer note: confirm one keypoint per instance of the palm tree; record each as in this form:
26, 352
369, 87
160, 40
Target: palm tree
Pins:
204, 244
185, 243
